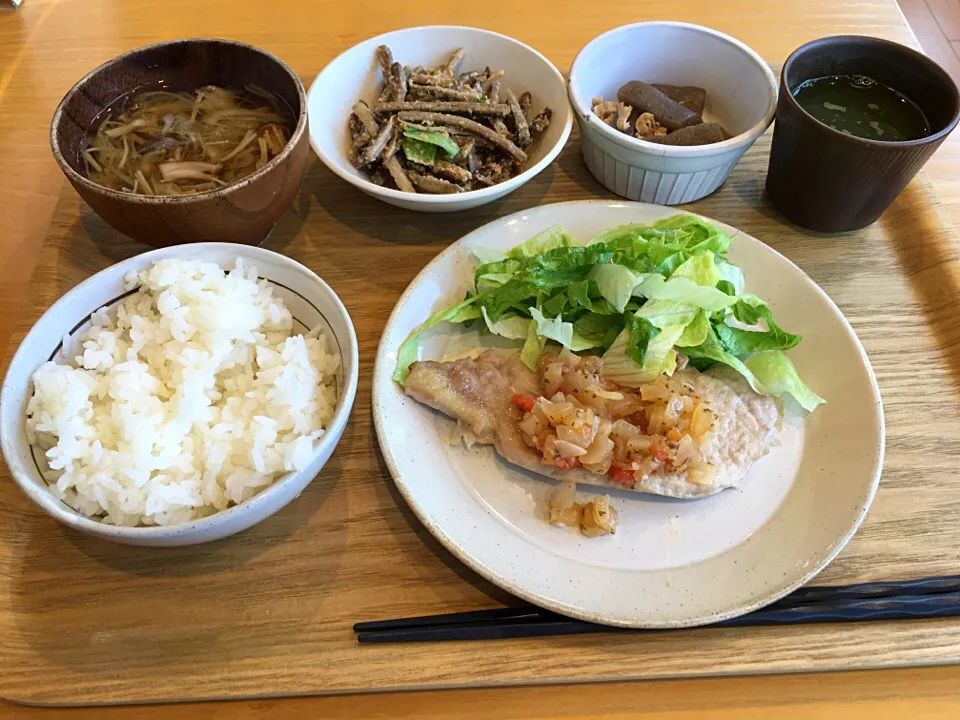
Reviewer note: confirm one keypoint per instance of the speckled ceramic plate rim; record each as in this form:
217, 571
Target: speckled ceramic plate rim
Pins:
383, 370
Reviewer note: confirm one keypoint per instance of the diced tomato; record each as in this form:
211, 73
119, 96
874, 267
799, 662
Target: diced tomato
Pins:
659, 452
563, 463
622, 475
525, 402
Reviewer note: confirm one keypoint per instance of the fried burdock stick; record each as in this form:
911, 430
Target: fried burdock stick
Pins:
399, 176
397, 80
521, 127
481, 131
453, 64
425, 78
385, 60
376, 146
441, 93
524, 101
499, 125
453, 173
365, 116
541, 122
466, 108
434, 185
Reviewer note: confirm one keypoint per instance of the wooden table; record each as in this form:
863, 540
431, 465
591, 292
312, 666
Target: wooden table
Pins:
47, 45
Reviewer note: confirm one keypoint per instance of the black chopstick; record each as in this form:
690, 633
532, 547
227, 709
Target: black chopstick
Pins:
906, 599
520, 614
879, 589
900, 607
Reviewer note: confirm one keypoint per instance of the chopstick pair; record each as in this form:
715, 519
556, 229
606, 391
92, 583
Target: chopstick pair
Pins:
898, 600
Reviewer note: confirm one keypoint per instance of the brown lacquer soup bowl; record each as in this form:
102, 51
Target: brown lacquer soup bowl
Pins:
243, 211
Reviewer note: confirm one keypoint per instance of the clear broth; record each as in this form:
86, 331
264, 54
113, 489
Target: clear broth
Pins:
194, 143
861, 106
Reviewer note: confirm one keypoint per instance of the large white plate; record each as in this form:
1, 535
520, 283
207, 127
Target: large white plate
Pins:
672, 563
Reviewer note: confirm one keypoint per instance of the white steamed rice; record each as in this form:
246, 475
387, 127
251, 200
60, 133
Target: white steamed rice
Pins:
192, 395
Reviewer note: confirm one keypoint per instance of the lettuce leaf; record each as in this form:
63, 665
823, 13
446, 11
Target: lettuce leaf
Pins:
410, 349
751, 310
638, 333
695, 332
769, 372
642, 352
710, 352
620, 233
512, 295
433, 137
513, 327
553, 328
486, 255
493, 280
685, 290
532, 347
662, 313
699, 268
697, 235
550, 239
733, 276
599, 329
617, 283
777, 376
585, 294
419, 152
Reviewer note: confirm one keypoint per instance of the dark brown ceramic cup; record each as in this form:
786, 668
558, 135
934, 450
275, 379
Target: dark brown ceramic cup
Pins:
828, 181
243, 212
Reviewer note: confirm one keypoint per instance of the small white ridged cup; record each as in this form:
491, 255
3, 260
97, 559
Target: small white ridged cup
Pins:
741, 95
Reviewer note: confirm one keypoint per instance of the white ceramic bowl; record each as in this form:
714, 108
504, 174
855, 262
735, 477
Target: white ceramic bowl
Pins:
354, 75
741, 95
310, 300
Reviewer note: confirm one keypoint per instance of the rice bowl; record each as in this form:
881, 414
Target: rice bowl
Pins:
193, 400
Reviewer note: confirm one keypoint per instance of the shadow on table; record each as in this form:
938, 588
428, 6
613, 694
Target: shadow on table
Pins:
101, 608
926, 247
406, 521
376, 219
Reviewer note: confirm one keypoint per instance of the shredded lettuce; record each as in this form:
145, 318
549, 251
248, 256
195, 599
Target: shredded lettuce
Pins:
550, 239
486, 255
769, 372
600, 330
662, 313
776, 375
732, 277
532, 347
410, 349
685, 290
553, 328
513, 327
710, 352
616, 283
695, 332
635, 294
751, 311
634, 359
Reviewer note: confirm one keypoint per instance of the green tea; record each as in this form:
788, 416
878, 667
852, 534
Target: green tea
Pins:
861, 106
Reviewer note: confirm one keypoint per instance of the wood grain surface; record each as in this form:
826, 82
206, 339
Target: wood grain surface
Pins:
268, 612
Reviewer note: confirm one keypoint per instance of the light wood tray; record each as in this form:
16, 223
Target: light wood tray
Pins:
269, 612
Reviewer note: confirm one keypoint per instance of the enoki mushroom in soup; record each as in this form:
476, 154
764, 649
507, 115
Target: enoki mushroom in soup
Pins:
175, 143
